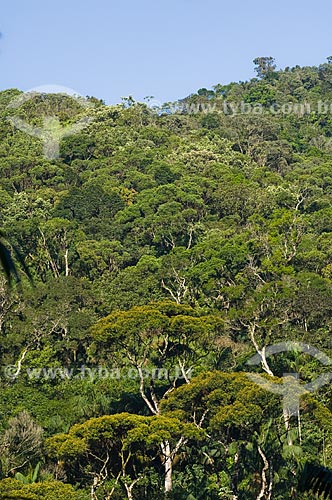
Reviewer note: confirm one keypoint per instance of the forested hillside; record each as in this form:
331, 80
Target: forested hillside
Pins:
165, 247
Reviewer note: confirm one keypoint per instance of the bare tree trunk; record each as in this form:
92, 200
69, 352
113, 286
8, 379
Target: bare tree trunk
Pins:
129, 490
299, 426
269, 496
152, 403
259, 351
168, 457
110, 494
263, 475
66, 263
234, 482
286, 416
19, 364
191, 230
152, 406
52, 263
129, 487
179, 288
99, 479
168, 465
94, 487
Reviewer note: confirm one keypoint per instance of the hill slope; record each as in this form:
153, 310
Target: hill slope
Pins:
201, 231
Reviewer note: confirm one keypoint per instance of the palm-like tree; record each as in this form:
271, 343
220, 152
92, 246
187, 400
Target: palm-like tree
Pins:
6, 260
316, 479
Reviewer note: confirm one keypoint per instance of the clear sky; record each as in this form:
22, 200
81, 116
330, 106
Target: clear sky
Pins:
164, 48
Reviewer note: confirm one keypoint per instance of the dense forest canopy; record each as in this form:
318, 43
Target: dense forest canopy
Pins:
161, 248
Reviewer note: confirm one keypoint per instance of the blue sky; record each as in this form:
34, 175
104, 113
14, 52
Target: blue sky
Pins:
164, 48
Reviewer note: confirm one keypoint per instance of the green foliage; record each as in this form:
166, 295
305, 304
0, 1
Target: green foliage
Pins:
168, 246
52, 490
31, 478
264, 66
